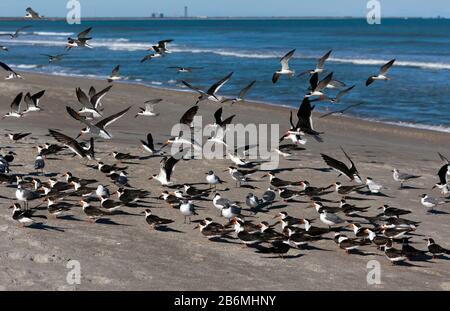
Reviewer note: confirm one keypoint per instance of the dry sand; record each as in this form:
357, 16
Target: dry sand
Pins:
125, 255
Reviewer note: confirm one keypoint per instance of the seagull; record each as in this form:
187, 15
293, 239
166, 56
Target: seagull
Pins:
32, 14
187, 209
149, 146
340, 111
402, 177
167, 166
25, 195
210, 94
382, 74
351, 172
16, 34
319, 66
317, 86
213, 179
330, 219
73, 145
32, 101
54, 58
80, 41
149, 108
430, 202
98, 128
340, 94
15, 108
12, 73
184, 69
39, 163
242, 94
115, 75
284, 67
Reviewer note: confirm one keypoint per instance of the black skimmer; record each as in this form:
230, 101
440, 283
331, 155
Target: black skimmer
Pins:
32, 101
48, 149
280, 183
312, 230
57, 208
317, 87
187, 209
15, 108
394, 255
285, 70
340, 111
382, 74
288, 195
54, 58
91, 104
123, 156
161, 48
311, 191
17, 33
278, 247
115, 75
212, 230
305, 123
373, 186
167, 165
269, 196
155, 221
128, 196
219, 122
242, 94
32, 14
108, 169
93, 213
340, 94
393, 211
210, 94
119, 178
351, 172
98, 128
443, 172
430, 202
4, 48
297, 239
81, 40
319, 66
379, 240
17, 136
149, 109
402, 177
394, 232
351, 210
323, 208
188, 117
109, 204
150, 147
248, 238
436, 249
411, 251
184, 69
213, 180
73, 145
348, 244
345, 190
24, 217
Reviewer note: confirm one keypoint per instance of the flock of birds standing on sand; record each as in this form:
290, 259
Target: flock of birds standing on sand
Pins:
347, 224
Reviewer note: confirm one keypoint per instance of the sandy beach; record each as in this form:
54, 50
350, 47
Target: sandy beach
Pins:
124, 254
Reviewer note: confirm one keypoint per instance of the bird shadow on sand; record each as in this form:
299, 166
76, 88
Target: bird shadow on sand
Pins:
279, 206
435, 212
283, 257
309, 247
107, 221
411, 188
43, 175
359, 199
168, 229
319, 169
407, 264
224, 240
46, 227
69, 218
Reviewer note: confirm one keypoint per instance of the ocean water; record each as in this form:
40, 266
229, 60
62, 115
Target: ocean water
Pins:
418, 94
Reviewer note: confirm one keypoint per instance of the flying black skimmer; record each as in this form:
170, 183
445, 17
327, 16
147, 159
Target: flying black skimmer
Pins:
443, 172
32, 101
351, 172
24, 217
305, 123
167, 166
161, 48
98, 128
430, 202
319, 66
11, 73
54, 58
317, 87
219, 122
115, 75
285, 70
242, 94
4, 48
149, 109
213, 180
91, 104
382, 74
73, 145
155, 221
340, 94
15, 108
340, 111
184, 69
150, 147
32, 14
81, 40
402, 177
210, 94
17, 136
16, 34
436, 249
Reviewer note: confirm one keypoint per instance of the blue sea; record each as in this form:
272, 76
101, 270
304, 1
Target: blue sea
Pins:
418, 94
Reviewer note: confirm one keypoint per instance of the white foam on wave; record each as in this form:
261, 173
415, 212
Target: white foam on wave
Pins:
49, 33
24, 66
379, 62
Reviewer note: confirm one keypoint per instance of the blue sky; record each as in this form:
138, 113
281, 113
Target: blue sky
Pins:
102, 8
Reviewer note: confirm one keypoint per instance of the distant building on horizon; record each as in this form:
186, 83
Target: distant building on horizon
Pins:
186, 11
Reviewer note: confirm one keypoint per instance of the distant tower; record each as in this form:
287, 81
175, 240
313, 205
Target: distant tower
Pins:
186, 11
